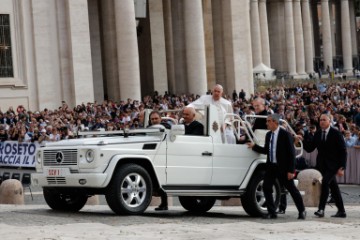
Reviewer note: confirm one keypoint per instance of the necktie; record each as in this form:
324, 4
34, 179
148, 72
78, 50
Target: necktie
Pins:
323, 136
271, 147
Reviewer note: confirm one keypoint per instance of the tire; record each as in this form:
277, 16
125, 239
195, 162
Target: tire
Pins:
130, 190
253, 201
62, 201
197, 204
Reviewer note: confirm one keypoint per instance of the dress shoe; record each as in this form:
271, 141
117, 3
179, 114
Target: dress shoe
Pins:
319, 213
339, 215
269, 216
280, 212
302, 215
161, 208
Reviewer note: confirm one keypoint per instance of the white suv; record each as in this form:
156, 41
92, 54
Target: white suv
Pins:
129, 167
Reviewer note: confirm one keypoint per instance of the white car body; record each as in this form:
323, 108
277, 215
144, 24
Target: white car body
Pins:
181, 165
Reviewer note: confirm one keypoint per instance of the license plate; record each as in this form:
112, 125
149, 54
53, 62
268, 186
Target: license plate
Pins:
55, 172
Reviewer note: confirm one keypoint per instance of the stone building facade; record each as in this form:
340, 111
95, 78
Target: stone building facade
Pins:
90, 50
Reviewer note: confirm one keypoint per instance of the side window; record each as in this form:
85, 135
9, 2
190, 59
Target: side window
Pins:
6, 64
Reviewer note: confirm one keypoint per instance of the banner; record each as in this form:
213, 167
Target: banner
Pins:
18, 154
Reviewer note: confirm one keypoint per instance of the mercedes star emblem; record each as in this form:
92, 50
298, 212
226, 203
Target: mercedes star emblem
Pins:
59, 157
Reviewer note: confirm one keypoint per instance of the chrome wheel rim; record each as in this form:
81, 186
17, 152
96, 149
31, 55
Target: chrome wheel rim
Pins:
260, 197
133, 190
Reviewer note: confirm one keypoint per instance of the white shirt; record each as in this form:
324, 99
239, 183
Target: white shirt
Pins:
275, 136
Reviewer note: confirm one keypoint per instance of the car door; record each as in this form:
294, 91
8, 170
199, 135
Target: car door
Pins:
231, 163
189, 160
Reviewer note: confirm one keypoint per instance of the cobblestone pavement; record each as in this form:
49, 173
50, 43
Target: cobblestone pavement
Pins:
35, 220
99, 222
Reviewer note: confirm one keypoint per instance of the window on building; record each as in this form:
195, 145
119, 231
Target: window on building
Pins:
6, 65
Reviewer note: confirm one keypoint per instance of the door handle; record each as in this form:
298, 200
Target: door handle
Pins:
207, 153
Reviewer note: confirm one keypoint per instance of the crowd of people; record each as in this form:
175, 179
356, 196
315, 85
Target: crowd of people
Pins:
300, 105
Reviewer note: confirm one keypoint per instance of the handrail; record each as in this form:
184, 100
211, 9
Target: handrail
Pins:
283, 123
233, 119
122, 132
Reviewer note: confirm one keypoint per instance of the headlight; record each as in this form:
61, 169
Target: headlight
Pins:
90, 156
39, 157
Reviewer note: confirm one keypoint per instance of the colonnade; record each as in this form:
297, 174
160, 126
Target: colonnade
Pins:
294, 19
282, 34
188, 45
182, 46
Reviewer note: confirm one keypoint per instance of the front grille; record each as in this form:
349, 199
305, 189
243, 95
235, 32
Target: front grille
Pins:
60, 157
56, 180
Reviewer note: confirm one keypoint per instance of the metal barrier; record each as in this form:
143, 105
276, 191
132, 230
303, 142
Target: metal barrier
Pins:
352, 172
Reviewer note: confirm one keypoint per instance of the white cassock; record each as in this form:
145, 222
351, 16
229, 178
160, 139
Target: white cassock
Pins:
223, 106
229, 135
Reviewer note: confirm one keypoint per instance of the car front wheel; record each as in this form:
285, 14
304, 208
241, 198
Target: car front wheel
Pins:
129, 191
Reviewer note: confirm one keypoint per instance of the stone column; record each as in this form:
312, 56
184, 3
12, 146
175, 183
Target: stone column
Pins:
96, 56
65, 61
346, 36
179, 46
109, 50
237, 50
29, 55
336, 33
80, 49
277, 36
47, 53
169, 45
290, 41
335, 20
326, 35
353, 28
299, 39
308, 37
158, 45
255, 33
195, 47
209, 42
316, 28
219, 50
127, 50
265, 44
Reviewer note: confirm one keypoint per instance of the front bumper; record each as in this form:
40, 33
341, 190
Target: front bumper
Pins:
63, 178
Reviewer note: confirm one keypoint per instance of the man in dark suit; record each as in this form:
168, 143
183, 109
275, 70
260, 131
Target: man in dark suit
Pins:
280, 163
192, 127
330, 161
260, 123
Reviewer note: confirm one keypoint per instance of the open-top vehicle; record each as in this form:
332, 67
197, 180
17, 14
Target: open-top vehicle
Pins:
130, 166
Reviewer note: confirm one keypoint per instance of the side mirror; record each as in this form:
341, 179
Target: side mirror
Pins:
176, 130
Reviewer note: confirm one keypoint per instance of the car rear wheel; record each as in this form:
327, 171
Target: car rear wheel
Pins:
129, 191
253, 201
64, 201
197, 204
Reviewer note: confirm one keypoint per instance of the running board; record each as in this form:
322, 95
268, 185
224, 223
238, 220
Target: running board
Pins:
208, 193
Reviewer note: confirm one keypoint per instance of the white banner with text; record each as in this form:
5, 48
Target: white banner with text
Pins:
18, 154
